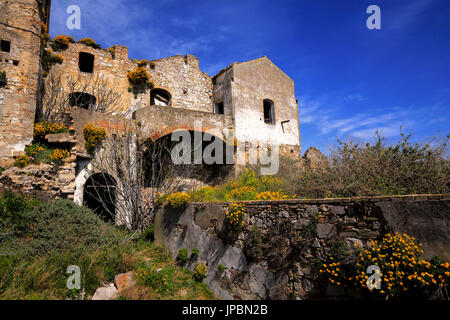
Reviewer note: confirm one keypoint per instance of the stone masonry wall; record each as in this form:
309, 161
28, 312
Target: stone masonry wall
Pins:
277, 253
20, 23
189, 87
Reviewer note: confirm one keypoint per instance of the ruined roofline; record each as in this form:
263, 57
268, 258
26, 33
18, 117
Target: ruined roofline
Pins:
250, 61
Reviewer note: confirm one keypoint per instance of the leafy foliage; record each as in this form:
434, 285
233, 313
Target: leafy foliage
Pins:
92, 137
403, 271
374, 169
39, 240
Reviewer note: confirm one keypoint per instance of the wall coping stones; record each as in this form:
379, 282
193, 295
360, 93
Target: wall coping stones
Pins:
412, 197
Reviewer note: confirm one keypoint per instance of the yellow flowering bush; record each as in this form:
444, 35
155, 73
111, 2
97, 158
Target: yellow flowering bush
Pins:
92, 137
22, 161
90, 42
139, 76
235, 214
200, 272
242, 193
142, 63
34, 150
403, 271
62, 42
41, 129
174, 200
273, 195
58, 155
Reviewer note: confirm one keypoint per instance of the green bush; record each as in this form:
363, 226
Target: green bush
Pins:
373, 169
182, 255
3, 79
221, 268
195, 253
39, 240
148, 234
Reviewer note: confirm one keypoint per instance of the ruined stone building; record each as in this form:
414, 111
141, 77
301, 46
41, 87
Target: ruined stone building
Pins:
254, 99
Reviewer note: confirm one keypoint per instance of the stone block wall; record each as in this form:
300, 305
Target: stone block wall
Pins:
277, 254
20, 24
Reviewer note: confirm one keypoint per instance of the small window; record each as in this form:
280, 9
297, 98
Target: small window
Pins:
218, 108
269, 112
15, 62
5, 45
86, 62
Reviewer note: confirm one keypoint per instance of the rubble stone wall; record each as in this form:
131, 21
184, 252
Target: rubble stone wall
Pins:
277, 253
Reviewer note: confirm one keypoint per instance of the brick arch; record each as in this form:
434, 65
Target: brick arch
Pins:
170, 129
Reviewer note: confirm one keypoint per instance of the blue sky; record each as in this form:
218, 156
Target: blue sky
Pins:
350, 81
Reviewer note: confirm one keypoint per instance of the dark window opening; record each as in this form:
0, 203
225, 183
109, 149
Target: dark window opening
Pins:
82, 100
269, 112
15, 62
86, 62
160, 97
5, 45
218, 108
100, 195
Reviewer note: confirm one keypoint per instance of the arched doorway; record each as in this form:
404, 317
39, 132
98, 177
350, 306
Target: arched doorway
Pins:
158, 164
100, 195
160, 97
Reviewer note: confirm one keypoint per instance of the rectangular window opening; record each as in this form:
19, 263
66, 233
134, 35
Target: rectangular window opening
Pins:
5, 45
269, 113
219, 108
86, 62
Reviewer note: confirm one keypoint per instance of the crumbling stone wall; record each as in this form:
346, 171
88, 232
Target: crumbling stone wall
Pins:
189, 87
276, 254
20, 24
314, 159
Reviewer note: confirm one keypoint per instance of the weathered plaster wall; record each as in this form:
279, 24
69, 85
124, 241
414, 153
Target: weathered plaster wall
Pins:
244, 86
275, 255
20, 23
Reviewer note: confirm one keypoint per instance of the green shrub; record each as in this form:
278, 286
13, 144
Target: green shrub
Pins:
221, 268
195, 253
182, 255
39, 240
148, 234
375, 169
3, 79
